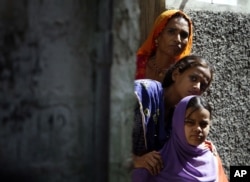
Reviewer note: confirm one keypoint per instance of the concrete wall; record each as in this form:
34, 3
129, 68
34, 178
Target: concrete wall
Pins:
240, 6
44, 83
126, 42
56, 61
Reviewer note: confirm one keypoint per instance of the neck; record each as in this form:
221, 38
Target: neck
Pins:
163, 61
157, 66
170, 98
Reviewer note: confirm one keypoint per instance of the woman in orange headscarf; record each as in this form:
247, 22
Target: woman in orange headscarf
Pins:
169, 40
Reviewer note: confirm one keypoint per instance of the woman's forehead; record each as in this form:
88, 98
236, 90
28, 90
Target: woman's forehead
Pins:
193, 111
178, 21
201, 71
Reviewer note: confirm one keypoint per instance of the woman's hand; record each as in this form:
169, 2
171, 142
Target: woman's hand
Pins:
151, 161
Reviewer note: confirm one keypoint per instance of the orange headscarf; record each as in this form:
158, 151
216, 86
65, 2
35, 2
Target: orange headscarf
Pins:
149, 47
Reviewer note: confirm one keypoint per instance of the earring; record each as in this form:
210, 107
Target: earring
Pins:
156, 43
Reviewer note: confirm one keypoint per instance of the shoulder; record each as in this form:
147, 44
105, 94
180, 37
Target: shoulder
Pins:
147, 84
221, 175
149, 92
211, 146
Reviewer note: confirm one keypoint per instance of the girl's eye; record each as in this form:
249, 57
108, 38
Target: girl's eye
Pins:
193, 78
203, 124
189, 122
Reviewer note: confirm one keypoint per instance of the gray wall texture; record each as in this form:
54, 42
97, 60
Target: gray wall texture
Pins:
223, 38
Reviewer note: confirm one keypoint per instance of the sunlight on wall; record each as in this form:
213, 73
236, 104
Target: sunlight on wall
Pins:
227, 2
242, 6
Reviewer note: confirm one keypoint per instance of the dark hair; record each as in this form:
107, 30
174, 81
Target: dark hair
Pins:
198, 102
179, 15
184, 64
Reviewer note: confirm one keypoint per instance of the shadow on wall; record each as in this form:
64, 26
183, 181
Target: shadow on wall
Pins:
14, 177
8, 174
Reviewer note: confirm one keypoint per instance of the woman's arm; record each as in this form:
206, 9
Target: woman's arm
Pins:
141, 158
151, 161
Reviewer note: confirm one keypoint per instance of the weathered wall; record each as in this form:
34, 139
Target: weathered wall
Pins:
224, 39
242, 6
126, 42
44, 83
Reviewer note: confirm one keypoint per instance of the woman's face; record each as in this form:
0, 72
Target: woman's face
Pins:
193, 81
174, 37
196, 126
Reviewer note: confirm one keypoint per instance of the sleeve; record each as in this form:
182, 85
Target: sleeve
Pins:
222, 177
138, 135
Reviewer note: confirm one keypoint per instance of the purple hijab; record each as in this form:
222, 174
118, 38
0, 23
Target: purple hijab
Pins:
182, 162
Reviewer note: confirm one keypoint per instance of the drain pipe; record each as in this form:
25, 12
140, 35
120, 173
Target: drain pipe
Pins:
183, 4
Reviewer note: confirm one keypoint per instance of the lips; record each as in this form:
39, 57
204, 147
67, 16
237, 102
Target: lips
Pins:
193, 92
176, 47
196, 137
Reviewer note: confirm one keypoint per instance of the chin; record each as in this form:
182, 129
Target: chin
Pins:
194, 145
176, 56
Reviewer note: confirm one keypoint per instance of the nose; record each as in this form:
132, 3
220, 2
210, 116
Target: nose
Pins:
197, 128
197, 87
178, 38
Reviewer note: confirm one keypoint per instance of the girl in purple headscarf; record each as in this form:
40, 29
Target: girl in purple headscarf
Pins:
187, 156
191, 75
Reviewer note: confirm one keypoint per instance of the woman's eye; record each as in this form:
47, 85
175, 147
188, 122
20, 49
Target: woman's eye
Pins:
171, 31
184, 35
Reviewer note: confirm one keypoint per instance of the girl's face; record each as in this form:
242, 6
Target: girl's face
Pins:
174, 37
193, 81
196, 126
